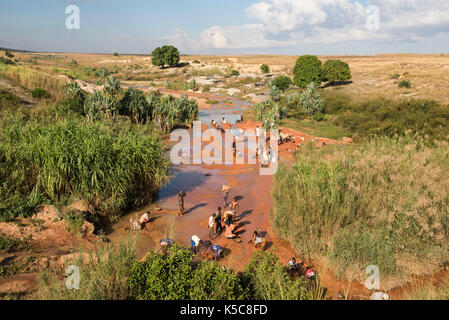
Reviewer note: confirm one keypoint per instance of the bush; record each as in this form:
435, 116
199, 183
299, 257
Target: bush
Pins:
404, 84
356, 205
111, 166
282, 82
9, 54
336, 70
307, 69
176, 276
40, 93
166, 55
310, 100
264, 68
115, 54
269, 280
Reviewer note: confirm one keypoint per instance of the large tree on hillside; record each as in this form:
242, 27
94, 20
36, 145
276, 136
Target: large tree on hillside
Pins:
166, 55
307, 69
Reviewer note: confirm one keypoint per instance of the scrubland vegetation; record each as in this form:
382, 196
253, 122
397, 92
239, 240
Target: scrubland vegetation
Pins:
382, 202
103, 148
114, 273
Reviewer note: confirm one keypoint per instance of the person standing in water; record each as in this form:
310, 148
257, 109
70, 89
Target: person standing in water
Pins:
225, 189
211, 225
218, 225
181, 196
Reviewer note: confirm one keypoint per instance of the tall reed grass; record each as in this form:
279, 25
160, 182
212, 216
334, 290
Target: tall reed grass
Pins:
383, 202
112, 165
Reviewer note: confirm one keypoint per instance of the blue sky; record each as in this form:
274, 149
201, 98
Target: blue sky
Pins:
229, 26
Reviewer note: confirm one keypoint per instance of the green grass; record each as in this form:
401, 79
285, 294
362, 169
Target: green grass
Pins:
381, 202
113, 165
323, 129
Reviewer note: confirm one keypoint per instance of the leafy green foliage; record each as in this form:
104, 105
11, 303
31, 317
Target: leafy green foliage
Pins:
104, 272
282, 82
6, 61
269, 280
336, 70
8, 100
264, 68
9, 54
40, 93
166, 55
307, 69
310, 100
176, 276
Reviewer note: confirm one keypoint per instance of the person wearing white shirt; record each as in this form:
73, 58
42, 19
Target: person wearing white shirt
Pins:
195, 241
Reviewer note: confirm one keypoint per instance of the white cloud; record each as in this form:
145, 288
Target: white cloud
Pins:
288, 23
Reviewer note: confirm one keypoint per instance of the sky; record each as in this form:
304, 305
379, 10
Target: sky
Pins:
325, 27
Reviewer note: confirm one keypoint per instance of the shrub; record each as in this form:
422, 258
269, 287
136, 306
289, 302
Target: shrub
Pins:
9, 54
234, 73
264, 68
115, 54
166, 55
111, 166
307, 69
282, 82
40, 93
104, 272
335, 70
10, 244
4, 60
8, 100
196, 61
405, 84
310, 100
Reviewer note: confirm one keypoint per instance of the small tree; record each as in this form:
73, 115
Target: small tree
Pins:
282, 82
264, 68
115, 54
336, 70
310, 100
166, 55
307, 69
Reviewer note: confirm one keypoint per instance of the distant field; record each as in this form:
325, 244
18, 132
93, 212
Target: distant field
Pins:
372, 75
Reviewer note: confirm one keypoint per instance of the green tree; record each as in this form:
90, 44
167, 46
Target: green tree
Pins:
282, 82
336, 70
166, 55
264, 68
307, 69
310, 100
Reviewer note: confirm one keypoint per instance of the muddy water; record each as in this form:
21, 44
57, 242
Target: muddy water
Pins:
202, 183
